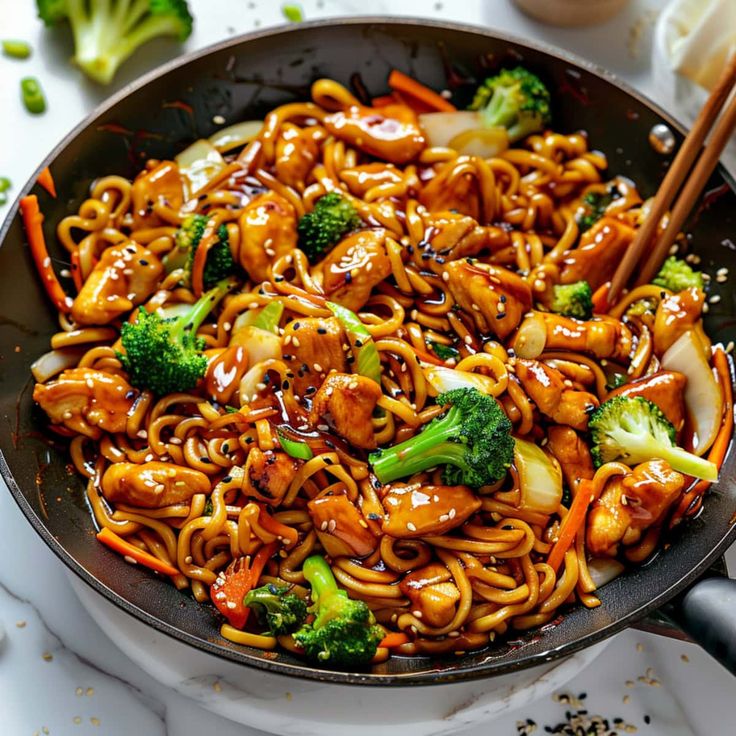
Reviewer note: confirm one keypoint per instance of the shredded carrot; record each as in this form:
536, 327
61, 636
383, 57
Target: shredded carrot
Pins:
121, 546
395, 639
572, 523
47, 182
32, 220
410, 88
717, 453
273, 526
384, 100
428, 357
600, 298
76, 271
258, 563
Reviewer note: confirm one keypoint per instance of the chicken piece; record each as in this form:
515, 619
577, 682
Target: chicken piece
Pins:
444, 191
360, 179
267, 232
432, 592
458, 236
353, 267
603, 336
268, 475
598, 253
493, 296
676, 314
341, 528
125, 276
630, 504
152, 485
296, 153
416, 510
346, 401
571, 452
159, 185
665, 388
390, 133
314, 346
547, 389
87, 401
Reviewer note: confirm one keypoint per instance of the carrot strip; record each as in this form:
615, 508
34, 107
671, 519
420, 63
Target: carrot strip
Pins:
571, 524
427, 357
273, 526
384, 101
600, 298
395, 639
405, 85
32, 221
258, 563
47, 182
121, 546
76, 271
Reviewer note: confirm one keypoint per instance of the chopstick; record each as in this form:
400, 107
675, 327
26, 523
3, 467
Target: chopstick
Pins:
679, 171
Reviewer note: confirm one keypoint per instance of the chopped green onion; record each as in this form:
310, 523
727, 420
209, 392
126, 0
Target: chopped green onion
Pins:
268, 318
3, 198
292, 12
294, 448
361, 341
5, 184
32, 94
231, 409
16, 49
443, 352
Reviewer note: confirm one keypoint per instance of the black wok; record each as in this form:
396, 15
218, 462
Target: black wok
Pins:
241, 79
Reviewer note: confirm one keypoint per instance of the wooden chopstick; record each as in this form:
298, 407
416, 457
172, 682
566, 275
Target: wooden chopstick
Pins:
671, 184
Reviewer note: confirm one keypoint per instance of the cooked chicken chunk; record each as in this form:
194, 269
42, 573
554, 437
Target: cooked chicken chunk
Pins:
390, 133
445, 191
267, 232
458, 236
598, 253
416, 510
665, 388
313, 347
354, 267
152, 485
87, 401
159, 185
346, 402
341, 528
630, 504
493, 296
296, 153
432, 592
268, 475
125, 276
571, 453
676, 314
546, 387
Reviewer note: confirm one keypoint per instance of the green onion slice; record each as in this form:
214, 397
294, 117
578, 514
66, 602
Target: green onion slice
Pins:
295, 448
361, 341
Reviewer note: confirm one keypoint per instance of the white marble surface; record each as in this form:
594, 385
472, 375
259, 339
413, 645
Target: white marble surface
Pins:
59, 671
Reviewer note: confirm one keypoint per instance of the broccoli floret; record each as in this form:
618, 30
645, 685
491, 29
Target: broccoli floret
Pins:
514, 99
573, 300
220, 263
472, 440
632, 430
443, 352
277, 609
677, 275
616, 380
107, 32
164, 355
641, 307
322, 228
594, 206
344, 632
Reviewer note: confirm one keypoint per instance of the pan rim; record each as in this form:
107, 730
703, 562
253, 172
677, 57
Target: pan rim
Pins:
489, 668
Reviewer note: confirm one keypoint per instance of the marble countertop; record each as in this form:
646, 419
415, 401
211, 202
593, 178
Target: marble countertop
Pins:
59, 671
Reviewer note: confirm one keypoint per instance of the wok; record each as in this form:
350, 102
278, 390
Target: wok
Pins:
241, 79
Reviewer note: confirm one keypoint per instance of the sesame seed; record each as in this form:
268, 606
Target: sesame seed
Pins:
331, 526
417, 614
411, 527
317, 367
231, 605
452, 513
142, 434
715, 299
130, 560
468, 340
445, 276
295, 341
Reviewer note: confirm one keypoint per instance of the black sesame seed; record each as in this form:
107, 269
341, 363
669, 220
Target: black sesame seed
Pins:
143, 262
348, 277
227, 479
285, 385
647, 719
321, 331
205, 460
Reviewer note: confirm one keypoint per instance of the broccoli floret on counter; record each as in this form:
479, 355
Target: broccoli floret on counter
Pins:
323, 228
514, 99
573, 300
344, 632
632, 430
107, 32
472, 440
677, 275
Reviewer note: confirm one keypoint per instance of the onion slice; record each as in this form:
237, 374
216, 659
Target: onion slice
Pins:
199, 163
703, 397
443, 379
464, 131
540, 478
531, 337
235, 135
604, 569
55, 361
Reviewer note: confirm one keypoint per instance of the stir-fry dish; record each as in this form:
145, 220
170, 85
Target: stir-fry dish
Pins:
350, 372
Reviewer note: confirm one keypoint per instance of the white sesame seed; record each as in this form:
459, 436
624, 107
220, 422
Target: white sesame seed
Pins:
67, 415
287, 339
331, 526
188, 559
444, 518
295, 341
468, 340
445, 276
218, 119
142, 434
452, 513
715, 299
369, 266
417, 614
729, 347
130, 560
674, 248
175, 441
323, 526
411, 527
231, 604
317, 367
270, 252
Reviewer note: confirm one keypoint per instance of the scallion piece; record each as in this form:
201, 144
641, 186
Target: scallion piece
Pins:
292, 12
294, 448
33, 97
16, 49
361, 341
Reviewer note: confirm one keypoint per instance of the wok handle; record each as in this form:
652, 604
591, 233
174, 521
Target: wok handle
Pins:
707, 613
